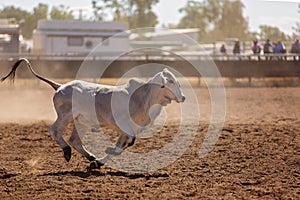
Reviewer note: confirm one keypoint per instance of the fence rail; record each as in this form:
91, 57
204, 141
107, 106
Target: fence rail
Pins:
153, 55
233, 66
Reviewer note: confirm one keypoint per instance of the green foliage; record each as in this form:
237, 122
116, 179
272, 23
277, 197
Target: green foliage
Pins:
271, 32
296, 28
216, 20
231, 22
193, 15
28, 20
13, 12
39, 12
142, 14
98, 10
61, 13
116, 7
137, 13
21, 17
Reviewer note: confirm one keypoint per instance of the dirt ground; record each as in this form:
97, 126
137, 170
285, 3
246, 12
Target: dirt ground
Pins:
257, 155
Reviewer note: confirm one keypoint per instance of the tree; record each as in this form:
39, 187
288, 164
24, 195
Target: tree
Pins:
216, 20
19, 16
13, 12
98, 10
39, 12
271, 32
212, 11
28, 20
296, 33
142, 14
231, 22
137, 13
61, 13
116, 7
193, 15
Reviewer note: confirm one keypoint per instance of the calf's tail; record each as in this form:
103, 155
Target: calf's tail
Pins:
12, 74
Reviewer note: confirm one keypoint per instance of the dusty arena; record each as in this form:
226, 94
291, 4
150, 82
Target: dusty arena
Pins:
257, 156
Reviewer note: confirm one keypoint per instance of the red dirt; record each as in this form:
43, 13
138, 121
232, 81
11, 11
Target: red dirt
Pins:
256, 157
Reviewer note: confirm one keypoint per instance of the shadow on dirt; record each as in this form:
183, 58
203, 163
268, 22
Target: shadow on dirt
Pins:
5, 176
136, 176
74, 173
98, 173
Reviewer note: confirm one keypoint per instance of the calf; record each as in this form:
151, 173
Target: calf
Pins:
129, 109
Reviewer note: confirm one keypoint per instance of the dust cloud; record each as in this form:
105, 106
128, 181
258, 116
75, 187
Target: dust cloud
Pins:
29, 100
26, 101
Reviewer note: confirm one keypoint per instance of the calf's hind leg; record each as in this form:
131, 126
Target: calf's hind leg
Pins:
56, 133
76, 142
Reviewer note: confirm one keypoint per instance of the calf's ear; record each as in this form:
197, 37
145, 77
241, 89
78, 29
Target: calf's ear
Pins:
165, 71
164, 81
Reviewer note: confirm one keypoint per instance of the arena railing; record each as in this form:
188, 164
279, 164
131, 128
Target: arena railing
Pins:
153, 56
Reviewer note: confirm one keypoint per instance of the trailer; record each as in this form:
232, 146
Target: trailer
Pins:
9, 36
79, 37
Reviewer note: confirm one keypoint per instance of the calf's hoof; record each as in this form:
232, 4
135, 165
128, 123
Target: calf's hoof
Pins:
67, 153
91, 158
95, 165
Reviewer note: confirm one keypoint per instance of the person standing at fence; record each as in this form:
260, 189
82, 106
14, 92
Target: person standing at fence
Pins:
237, 48
279, 49
268, 48
223, 49
296, 48
256, 48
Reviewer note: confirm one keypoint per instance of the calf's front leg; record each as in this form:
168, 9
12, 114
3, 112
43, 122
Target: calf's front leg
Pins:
123, 142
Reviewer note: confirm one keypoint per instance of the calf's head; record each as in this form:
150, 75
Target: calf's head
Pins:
169, 87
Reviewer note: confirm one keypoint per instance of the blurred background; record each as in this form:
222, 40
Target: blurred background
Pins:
246, 40
209, 22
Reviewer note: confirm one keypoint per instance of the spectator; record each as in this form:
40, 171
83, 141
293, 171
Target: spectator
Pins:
279, 47
236, 48
268, 48
223, 49
256, 48
296, 48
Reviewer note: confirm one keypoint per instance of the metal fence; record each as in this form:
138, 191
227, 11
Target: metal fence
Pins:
153, 55
232, 66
